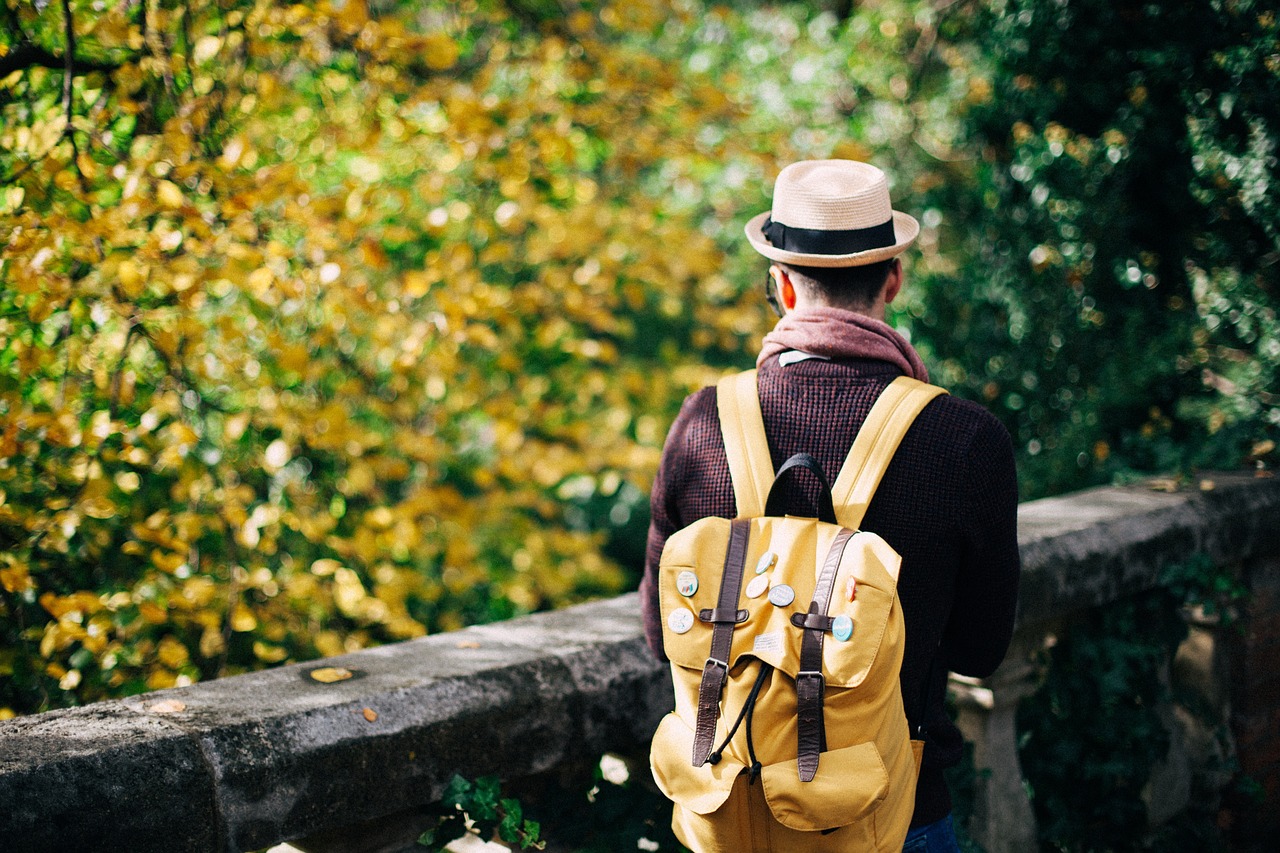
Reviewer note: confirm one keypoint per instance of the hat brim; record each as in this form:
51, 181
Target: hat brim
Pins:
905, 231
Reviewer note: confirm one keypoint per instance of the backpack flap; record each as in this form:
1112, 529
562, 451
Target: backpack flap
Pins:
791, 550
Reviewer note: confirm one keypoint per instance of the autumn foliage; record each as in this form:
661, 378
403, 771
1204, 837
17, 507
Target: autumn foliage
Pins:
323, 329
331, 324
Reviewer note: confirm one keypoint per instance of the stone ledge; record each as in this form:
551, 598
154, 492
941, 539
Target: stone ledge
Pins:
256, 759
259, 758
1095, 546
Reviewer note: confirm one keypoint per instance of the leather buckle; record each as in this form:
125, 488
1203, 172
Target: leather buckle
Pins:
715, 662
812, 673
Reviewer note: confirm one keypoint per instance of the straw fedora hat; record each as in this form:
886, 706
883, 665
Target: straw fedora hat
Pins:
831, 213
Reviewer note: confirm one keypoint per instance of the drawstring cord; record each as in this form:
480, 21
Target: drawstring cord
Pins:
751, 710
747, 712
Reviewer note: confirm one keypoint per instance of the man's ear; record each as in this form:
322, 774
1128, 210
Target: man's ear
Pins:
786, 290
893, 282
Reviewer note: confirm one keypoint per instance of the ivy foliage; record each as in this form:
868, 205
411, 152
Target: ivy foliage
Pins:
1091, 736
585, 810
1117, 299
480, 808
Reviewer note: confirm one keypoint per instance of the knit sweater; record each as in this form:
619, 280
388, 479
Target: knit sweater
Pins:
947, 504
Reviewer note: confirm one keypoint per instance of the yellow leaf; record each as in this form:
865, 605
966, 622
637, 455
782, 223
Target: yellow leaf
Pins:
268, 653
172, 653
370, 714
416, 284
325, 566
153, 613
16, 579
169, 195
132, 278
212, 643
242, 619
260, 279
99, 508
439, 51
330, 674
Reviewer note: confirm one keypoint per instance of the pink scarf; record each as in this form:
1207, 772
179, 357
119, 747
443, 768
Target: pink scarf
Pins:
837, 333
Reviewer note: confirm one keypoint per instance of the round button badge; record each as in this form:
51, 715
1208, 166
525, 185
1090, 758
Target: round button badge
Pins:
680, 621
767, 561
687, 583
842, 628
757, 586
781, 595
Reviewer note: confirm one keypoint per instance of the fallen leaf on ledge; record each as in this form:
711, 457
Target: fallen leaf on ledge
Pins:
330, 674
370, 714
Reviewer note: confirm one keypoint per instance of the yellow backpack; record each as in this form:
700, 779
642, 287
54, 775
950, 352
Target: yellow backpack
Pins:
785, 636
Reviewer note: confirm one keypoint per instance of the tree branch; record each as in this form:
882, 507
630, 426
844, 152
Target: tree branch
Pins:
68, 89
29, 55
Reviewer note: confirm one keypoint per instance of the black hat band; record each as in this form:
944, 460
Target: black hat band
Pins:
811, 241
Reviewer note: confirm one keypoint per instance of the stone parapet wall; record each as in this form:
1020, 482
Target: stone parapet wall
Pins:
244, 762
1253, 661
247, 761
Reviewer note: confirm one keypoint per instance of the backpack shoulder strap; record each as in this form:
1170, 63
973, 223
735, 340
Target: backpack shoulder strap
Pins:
745, 444
876, 442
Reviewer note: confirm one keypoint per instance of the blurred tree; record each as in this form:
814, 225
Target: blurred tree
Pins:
322, 328
1116, 302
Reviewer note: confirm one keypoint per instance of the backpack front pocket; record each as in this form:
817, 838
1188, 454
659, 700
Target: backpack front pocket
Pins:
850, 784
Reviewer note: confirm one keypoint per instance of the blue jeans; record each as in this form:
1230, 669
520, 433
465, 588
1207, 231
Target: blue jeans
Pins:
939, 837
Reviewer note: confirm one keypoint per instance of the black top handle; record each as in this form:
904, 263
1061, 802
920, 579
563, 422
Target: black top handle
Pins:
826, 506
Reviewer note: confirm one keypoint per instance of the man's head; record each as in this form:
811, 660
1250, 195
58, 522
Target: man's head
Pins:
834, 237
865, 289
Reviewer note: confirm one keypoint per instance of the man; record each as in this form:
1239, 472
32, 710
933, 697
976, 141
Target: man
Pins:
948, 501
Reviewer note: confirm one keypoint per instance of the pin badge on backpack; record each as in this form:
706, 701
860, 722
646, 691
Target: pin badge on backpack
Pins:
680, 620
767, 561
687, 583
842, 628
781, 595
757, 586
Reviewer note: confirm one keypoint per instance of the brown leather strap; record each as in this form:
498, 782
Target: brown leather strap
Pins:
810, 732
717, 666
717, 615
819, 621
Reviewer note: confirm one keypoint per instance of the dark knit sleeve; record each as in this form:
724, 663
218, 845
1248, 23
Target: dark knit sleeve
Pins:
663, 521
986, 591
